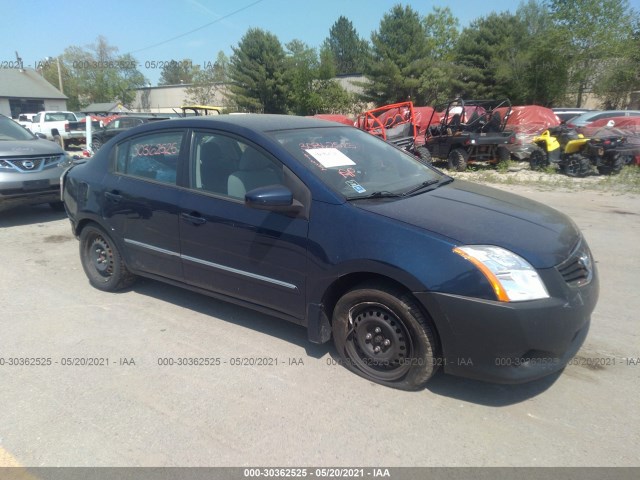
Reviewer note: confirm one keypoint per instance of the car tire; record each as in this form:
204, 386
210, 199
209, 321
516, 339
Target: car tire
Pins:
95, 145
458, 158
59, 141
538, 160
577, 165
503, 154
424, 155
101, 260
371, 317
57, 206
613, 165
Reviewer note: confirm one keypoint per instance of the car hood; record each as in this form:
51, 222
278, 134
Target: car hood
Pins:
473, 214
25, 148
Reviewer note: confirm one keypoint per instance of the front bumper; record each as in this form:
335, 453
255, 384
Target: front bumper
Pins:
29, 188
512, 342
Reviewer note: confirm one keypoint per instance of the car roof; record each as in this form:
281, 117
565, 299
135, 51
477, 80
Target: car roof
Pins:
253, 121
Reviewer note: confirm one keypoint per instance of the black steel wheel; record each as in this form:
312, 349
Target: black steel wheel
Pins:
382, 335
458, 158
101, 260
577, 165
538, 160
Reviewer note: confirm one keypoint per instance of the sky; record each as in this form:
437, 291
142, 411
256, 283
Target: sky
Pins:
157, 31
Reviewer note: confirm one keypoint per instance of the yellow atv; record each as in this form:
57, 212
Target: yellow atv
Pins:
564, 147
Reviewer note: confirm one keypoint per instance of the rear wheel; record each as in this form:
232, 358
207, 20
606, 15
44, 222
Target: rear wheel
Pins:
612, 165
503, 154
57, 206
59, 141
424, 155
101, 260
538, 160
577, 165
458, 158
382, 335
95, 145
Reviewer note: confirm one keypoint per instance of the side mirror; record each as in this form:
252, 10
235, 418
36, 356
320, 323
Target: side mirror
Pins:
40, 135
277, 198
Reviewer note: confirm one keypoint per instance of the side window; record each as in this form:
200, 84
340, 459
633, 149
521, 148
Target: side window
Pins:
36, 118
152, 156
231, 167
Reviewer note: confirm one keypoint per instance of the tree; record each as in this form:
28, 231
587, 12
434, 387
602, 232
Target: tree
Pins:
48, 68
207, 82
399, 57
176, 73
97, 74
257, 73
599, 33
486, 54
541, 66
302, 68
348, 49
441, 31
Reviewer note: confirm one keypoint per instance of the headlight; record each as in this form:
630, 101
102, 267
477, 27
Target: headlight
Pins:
513, 279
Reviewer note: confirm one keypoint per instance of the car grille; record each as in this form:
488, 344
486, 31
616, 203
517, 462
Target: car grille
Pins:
577, 270
30, 164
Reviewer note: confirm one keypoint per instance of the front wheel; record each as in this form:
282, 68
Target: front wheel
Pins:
577, 165
538, 160
101, 260
382, 335
458, 158
424, 155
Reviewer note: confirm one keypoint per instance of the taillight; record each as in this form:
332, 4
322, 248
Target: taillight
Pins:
66, 127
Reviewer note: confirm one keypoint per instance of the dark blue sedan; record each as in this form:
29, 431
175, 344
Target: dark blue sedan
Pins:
334, 229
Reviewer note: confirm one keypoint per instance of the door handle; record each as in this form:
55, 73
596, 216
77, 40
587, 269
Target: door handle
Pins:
114, 196
194, 218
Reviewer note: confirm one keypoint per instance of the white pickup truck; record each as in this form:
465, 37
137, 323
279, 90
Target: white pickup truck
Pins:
59, 126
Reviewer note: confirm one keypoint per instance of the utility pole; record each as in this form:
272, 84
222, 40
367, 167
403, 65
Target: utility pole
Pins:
59, 74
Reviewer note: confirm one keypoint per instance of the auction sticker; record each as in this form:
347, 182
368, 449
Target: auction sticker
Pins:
330, 157
356, 186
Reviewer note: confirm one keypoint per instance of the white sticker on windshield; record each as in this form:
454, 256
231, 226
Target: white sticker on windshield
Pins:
330, 157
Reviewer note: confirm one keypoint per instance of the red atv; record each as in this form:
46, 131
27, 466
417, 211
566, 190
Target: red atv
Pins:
401, 124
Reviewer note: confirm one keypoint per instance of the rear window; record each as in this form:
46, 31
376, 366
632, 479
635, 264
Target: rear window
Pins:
153, 156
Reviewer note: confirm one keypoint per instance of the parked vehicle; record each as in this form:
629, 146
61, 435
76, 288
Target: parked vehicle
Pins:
576, 154
59, 126
30, 167
25, 119
567, 113
396, 123
116, 126
585, 119
337, 230
200, 110
526, 122
470, 131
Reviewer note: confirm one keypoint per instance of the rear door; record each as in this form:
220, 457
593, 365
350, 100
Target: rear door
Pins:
142, 197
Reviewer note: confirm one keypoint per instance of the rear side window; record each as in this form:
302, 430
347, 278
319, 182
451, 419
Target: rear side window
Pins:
152, 156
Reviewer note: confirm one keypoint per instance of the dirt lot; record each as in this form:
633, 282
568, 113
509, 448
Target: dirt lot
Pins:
306, 411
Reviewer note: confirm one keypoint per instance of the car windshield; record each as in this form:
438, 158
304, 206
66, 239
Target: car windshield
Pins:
10, 130
357, 164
